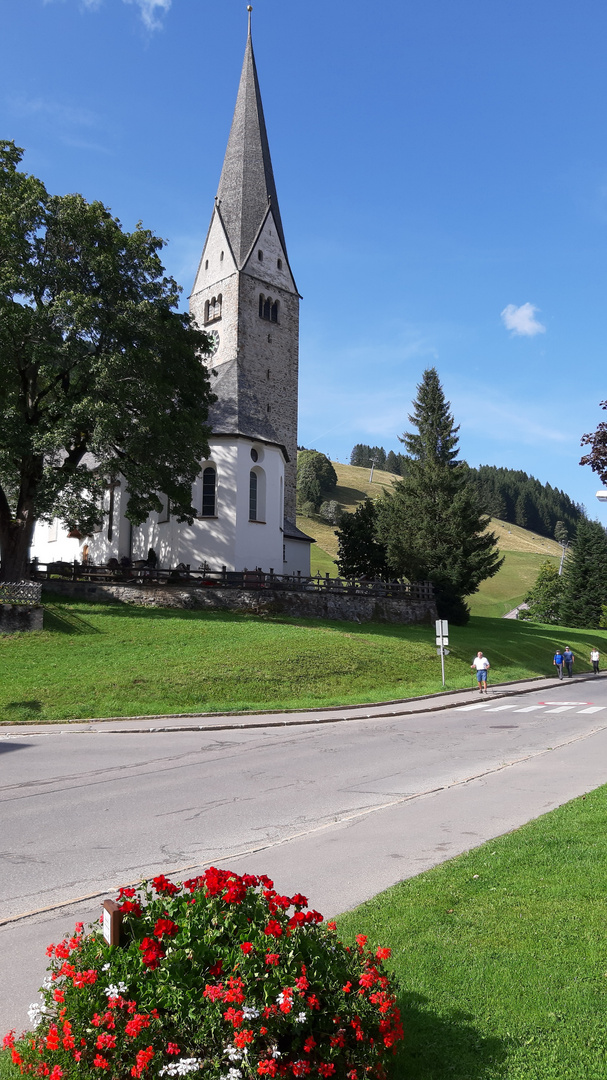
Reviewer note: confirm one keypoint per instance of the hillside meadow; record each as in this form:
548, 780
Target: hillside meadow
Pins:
524, 551
98, 659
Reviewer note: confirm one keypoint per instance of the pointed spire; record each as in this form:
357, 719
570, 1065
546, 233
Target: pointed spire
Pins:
246, 187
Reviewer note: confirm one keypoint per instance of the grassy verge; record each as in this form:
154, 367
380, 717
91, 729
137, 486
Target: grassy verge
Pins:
110, 659
510, 585
502, 954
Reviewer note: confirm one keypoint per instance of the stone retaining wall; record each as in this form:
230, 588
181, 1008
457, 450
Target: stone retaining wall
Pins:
309, 605
15, 617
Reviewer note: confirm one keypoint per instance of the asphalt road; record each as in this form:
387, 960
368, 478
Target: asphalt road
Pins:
338, 810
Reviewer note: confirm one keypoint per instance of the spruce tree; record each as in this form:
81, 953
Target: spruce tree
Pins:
431, 522
585, 577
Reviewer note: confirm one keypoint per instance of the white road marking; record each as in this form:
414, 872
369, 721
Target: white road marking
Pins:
500, 708
479, 705
530, 708
592, 709
561, 708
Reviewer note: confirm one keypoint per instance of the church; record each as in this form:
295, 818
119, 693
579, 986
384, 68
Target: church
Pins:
246, 299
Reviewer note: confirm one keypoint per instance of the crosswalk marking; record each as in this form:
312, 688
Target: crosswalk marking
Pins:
500, 708
479, 705
592, 709
561, 708
530, 708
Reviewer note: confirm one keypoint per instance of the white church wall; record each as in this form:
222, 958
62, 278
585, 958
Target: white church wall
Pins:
216, 277
273, 265
259, 543
297, 557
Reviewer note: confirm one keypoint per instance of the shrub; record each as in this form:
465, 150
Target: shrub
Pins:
212, 976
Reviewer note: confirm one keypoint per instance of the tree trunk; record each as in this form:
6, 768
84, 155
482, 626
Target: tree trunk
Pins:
15, 541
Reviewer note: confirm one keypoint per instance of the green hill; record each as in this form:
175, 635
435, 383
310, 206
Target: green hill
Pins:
524, 551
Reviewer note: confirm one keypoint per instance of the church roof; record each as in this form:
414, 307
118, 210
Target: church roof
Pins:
246, 186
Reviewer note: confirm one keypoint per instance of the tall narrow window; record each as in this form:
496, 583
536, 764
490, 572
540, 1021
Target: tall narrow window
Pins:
261, 302
209, 486
275, 311
253, 496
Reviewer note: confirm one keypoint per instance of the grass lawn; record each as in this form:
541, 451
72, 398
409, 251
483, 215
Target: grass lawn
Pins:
510, 585
502, 954
109, 659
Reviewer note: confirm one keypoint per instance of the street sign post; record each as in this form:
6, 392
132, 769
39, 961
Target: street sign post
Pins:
442, 639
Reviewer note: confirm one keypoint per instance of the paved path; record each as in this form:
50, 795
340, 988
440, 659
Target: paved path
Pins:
339, 804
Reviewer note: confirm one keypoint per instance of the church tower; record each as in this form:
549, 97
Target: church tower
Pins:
245, 295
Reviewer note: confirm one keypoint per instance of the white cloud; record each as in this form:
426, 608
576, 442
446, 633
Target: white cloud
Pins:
150, 10
521, 320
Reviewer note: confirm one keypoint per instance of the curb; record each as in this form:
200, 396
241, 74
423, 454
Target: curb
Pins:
501, 688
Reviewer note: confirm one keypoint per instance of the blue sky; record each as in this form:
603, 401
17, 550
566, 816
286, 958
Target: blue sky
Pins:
442, 175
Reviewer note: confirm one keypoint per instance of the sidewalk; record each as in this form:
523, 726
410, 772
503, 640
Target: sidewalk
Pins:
445, 699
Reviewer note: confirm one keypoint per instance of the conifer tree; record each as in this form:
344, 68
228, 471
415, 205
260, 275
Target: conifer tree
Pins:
585, 577
431, 522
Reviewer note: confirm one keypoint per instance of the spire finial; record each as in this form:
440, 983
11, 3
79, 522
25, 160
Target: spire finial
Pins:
249, 9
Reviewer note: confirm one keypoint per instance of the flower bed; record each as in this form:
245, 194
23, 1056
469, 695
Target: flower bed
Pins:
213, 976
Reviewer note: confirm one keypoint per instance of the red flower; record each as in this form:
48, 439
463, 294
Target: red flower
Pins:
246, 946
163, 885
58, 995
172, 1048
56, 1073
309, 1044
84, 978
142, 1061
326, 1068
100, 1062
300, 1068
128, 893
273, 929
313, 1002
302, 983
105, 1041
241, 1039
332, 926
299, 901
267, 1067
52, 1039
9, 1040
213, 993
152, 953
165, 928
361, 940
136, 1024
346, 989
272, 959
216, 969
234, 1016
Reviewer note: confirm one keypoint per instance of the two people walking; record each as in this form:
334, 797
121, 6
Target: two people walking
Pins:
564, 658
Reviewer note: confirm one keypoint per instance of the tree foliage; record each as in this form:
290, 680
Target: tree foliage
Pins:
597, 456
514, 496
316, 478
544, 597
431, 522
585, 577
359, 553
99, 374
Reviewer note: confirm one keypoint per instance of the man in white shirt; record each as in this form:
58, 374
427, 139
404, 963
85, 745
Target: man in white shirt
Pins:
482, 666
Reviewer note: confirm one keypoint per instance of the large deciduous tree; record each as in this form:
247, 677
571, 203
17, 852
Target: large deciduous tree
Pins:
316, 478
431, 521
544, 596
100, 375
359, 554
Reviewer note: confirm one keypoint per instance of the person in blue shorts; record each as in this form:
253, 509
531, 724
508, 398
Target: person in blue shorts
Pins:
558, 662
482, 666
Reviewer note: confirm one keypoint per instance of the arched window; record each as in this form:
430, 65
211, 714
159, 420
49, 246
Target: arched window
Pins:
209, 488
279, 264
212, 309
268, 308
275, 311
253, 496
261, 303
257, 495
260, 255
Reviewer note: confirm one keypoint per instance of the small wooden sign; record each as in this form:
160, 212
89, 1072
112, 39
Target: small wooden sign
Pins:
112, 921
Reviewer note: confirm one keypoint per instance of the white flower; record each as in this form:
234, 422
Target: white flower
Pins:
47, 983
276, 1052
35, 1013
113, 991
181, 1067
106, 967
300, 1018
233, 1054
249, 1012
232, 1074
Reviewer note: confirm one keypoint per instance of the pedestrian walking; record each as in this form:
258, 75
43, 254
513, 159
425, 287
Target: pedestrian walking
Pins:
595, 656
482, 665
568, 657
558, 662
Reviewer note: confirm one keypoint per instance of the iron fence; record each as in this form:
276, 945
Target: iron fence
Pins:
26, 593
